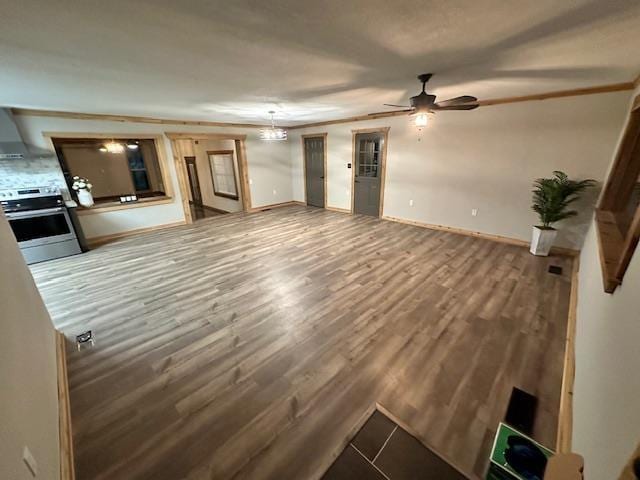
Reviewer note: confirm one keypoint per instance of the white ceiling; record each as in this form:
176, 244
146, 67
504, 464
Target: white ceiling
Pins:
309, 60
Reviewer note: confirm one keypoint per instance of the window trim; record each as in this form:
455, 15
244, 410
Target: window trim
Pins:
615, 248
158, 140
235, 173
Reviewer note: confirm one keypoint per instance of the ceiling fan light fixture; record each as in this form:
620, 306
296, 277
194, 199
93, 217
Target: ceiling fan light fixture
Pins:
421, 119
273, 133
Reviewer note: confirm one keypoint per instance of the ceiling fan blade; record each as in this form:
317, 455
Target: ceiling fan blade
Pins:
469, 106
457, 101
397, 106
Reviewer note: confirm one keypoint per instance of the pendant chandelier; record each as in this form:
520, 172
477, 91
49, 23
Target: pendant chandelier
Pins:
273, 133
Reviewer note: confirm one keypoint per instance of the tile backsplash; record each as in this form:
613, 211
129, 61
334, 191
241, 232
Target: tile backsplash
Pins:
41, 172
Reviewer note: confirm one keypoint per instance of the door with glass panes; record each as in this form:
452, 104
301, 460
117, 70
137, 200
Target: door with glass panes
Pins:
368, 173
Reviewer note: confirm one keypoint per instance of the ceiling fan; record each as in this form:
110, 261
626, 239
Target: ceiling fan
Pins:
424, 102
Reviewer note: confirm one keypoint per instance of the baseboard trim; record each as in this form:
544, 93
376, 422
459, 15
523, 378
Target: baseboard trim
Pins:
337, 209
67, 470
487, 236
565, 414
97, 241
276, 205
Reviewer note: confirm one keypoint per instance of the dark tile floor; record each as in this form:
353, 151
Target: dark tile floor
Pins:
383, 450
198, 212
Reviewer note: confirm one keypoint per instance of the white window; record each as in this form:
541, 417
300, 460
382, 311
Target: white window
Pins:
223, 173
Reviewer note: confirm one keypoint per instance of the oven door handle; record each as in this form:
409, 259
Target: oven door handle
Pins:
34, 213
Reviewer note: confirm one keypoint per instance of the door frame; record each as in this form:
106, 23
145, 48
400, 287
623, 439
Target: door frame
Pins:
188, 159
383, 164
322, 135
181, 169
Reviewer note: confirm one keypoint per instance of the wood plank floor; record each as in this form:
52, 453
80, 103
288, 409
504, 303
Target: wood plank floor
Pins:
249, 346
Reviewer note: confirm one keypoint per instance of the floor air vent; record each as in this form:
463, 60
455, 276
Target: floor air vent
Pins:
85, 339
555, 269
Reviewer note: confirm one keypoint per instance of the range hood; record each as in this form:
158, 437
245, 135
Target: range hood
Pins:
11, 144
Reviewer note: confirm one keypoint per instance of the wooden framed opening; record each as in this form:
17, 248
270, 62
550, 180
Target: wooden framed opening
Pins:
183, 145
381, 165
159, 168
304, 138
618, 214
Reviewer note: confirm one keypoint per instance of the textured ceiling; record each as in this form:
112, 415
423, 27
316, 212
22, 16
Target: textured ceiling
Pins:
234, 60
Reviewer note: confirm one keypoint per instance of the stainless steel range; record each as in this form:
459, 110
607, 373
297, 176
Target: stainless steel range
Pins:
40, 222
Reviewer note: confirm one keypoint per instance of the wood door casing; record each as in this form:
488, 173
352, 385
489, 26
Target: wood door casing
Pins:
194, 181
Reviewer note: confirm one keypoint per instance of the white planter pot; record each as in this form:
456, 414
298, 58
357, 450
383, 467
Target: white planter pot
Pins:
85, 198
542, 240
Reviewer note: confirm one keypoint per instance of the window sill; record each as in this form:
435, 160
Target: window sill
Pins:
115, 206
610, 243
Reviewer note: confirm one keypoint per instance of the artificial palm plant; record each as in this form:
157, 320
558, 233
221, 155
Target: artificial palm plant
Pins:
553, 196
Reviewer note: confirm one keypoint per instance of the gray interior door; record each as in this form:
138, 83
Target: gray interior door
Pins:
366, 195
314, 163
194, 182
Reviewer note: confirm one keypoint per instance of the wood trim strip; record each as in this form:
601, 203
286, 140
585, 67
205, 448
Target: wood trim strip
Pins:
81, 211
565, 415
487, 236
129, 118
101, 240
205, 136
615, 87
338, 209
290, 203
576, 92
67, 468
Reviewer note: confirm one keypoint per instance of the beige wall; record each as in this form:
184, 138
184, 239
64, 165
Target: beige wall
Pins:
204, 175
484, 159
606, 395
28, 372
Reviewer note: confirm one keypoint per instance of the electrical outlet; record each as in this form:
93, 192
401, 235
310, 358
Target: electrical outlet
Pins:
30, 461
474, 212
250, 181
411, 203
275, 192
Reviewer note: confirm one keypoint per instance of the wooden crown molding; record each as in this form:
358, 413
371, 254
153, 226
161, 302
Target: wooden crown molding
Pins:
128, 118
614, 87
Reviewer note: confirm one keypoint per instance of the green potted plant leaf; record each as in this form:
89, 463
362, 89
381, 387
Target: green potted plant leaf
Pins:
551, 200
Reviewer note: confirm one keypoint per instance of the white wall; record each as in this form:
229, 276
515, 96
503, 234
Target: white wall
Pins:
28, 370
269, 169
606, 395
485, 159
